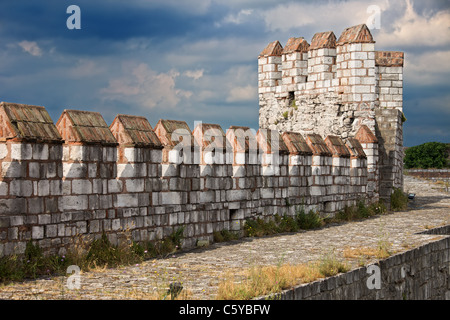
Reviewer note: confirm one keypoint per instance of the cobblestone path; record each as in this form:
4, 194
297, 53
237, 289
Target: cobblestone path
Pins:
201, 270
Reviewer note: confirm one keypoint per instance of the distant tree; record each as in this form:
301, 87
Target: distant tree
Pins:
427, 155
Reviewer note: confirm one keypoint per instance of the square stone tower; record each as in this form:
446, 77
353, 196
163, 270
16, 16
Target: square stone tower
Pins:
334, 86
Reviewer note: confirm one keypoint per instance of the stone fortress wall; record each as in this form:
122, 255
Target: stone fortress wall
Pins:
83, 177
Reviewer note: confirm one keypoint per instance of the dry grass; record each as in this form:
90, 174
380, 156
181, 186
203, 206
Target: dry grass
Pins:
367, 253
259, 281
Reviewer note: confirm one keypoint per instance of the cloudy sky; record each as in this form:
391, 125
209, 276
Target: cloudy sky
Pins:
196, 60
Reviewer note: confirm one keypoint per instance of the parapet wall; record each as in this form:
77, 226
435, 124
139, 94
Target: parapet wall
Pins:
82, 177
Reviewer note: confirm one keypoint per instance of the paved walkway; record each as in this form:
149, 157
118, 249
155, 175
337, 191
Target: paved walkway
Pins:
201, 270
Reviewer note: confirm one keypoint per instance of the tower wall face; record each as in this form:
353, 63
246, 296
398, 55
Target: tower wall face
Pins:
333, 87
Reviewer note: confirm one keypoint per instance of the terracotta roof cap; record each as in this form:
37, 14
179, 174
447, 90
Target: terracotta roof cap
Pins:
296, 143
134, 131
356, 34
23, 122
273, 49
323, 40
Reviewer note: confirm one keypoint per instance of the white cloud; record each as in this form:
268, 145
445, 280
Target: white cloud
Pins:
85, 68
31, 47
427, 68
145, 87
239, 18
324, 15
242, 94
413, 29
194, 74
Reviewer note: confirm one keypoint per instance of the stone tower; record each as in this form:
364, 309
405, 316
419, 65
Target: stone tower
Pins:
341, 87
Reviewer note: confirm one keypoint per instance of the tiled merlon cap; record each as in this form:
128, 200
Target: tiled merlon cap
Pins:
337, 147
205, 134
356, 34
323, 40
296, 143
355, 148
389, 58
85, 127
164, 129
134, 131
267, 145
273, 49
242, 139
296, 45
365, 135
317, 145
21, 122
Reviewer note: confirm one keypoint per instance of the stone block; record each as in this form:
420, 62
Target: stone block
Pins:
80, 186
135, 185
75, 170
3, 150
37, 232
51, 231
21, 151
126, 200
171, 198
77, 153
40, 151
236, 195
73, 202
127, 170
14, 169
207, 197
21, 188
170, 170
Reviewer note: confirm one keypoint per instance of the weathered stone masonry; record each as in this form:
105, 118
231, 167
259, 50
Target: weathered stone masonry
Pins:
333, 87
83, 177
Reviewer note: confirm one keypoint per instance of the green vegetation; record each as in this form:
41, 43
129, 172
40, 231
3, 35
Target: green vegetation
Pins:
399, 200
98, 253
427, 155
31, 265
312, 220
279, 224
330, 266
224, 236
360, 211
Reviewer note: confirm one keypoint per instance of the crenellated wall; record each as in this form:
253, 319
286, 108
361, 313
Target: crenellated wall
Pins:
330, 134
83, 177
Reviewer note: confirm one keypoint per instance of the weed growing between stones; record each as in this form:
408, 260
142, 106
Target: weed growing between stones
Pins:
280, 224
329, 265
86, 255
224, 236
360, 211
31, 264
399, 200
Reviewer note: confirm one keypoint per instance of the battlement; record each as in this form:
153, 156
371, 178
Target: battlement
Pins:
330, 135
84, 177
347, 66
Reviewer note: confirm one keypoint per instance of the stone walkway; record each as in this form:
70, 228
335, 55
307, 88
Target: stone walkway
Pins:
201, 270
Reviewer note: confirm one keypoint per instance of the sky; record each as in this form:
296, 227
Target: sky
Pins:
196, 60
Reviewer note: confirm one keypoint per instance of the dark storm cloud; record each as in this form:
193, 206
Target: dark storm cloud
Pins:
197, 60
